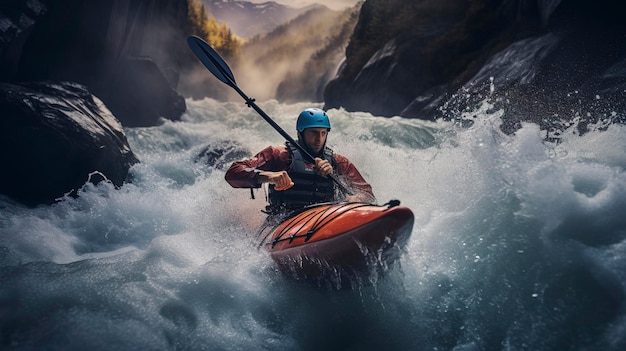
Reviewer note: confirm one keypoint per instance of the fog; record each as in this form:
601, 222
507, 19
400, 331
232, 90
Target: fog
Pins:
260, 79
300, 59
332, 4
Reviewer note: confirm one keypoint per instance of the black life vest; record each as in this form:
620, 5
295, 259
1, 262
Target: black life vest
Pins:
309, 188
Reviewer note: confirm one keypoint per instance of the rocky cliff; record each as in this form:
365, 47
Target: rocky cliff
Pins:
535, 58
125, 51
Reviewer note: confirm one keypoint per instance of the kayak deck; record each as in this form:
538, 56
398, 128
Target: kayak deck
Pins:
339, 237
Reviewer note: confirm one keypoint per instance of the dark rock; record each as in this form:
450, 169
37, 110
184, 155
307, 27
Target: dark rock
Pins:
546, 62
221, 155
428, 103
17, 20
138, 93
98, 43
55, 137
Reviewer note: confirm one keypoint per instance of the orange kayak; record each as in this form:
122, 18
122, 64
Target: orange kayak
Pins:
339, 238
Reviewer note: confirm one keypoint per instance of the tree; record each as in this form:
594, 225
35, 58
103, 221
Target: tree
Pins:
219, 36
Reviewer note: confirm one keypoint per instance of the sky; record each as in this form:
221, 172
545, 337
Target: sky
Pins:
332, 4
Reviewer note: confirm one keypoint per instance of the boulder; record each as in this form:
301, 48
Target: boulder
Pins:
54, 137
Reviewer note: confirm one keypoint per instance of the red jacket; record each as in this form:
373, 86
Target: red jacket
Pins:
242, 174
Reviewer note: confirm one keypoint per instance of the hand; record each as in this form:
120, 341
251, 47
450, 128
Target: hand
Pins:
281, 179
323, 167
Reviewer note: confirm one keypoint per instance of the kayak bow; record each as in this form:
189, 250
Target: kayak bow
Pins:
345, 237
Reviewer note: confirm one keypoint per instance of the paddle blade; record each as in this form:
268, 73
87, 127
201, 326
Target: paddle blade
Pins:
211, 60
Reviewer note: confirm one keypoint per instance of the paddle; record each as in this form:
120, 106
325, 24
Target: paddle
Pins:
216, 65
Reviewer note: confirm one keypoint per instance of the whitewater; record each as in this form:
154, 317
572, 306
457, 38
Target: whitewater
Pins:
518, 244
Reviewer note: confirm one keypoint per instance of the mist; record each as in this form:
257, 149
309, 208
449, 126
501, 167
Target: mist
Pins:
260, 78
295, 61
332, 4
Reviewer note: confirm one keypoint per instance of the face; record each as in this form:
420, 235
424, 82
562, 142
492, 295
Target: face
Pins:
315, 138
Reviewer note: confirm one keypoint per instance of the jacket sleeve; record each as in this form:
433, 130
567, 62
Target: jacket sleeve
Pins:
353, 179
243, 173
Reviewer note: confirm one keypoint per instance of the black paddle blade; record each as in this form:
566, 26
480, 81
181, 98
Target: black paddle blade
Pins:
211, 60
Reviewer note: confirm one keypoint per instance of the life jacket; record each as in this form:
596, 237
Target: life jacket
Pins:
309, 187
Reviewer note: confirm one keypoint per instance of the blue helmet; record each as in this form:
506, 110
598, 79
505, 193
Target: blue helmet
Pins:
312, 118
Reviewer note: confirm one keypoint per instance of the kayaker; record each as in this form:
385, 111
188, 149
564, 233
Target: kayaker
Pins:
293, 181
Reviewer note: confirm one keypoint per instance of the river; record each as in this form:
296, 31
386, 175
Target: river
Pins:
518, 244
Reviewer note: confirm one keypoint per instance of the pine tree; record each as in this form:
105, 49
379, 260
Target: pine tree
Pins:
219, 36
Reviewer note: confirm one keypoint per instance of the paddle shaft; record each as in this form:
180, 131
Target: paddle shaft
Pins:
250, 102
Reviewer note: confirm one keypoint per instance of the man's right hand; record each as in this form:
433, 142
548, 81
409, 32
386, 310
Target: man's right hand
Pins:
280, 179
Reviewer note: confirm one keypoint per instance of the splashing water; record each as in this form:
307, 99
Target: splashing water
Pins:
518, 244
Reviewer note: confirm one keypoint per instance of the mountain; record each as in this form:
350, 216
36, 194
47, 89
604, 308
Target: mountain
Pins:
247, 19
295, 60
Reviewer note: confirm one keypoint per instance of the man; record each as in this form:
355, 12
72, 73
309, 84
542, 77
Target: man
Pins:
295, 182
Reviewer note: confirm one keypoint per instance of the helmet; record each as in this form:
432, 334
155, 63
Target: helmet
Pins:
312, 118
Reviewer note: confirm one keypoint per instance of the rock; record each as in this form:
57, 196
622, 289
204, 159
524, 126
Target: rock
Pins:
16, 22
221, 155
52, 137
118, 49
138, 93
548, 62
419, 47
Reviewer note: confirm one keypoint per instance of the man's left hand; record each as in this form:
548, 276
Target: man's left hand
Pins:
323, 167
